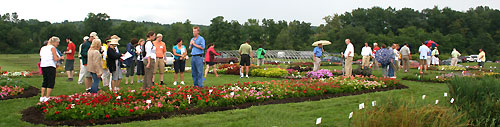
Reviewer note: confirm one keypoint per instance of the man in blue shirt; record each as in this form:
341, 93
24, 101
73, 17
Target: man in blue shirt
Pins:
197, 45
318, 52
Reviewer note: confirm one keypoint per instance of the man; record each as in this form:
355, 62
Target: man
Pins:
70, 59
454, 57
85, 49
366, 53
481, 59
424, 51
429, 58
246, 55
406, 57
348, 55
197, 46
375, 49
317, 53
82, 68
160, 57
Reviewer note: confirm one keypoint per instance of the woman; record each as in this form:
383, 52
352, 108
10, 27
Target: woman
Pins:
130, 62
435, 58
211, 53
180, 56
385, 56
260, 55
48, 59
397, 55
113, 63
149, 54
140, 64
94, 65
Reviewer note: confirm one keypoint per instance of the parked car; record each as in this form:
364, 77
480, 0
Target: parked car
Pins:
331, 59
462, 59
225, 58
446, 62
169, 59
471, 58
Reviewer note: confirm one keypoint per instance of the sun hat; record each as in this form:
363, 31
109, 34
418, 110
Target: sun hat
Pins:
114, 42
115, 37
93, 34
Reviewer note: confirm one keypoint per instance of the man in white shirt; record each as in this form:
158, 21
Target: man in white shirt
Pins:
423, 50
366, 52
348, 55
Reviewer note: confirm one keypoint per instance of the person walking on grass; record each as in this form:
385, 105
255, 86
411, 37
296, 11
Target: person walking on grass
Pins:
209, 59
130, 62
180, 56
149, 53
366, 52
113, 63
385, 56
423, 50
317, 53
397, 57
375, 49
70, 59
48, 59
481, 58
454, 57
435, 58
260, 55
197, 46
348, 55
406, 57
82, 68
84, 51
246, 54
94, 65
139, 62
159, 65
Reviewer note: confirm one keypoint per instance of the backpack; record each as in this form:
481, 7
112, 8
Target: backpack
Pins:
262, 52
143, 52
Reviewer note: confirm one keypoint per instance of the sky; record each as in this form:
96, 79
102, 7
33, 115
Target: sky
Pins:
202, 11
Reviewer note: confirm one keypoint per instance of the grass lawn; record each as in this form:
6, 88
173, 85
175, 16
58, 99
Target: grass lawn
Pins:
334, 111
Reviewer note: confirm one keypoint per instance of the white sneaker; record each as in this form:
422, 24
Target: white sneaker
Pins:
182, 83
46, 99
42, 98
175, 83
247, 76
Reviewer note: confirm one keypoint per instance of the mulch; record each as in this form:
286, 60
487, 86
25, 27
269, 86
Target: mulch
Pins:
407, 79
28, 92
35, 116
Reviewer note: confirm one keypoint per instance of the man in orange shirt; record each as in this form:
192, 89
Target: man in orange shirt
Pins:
160, 57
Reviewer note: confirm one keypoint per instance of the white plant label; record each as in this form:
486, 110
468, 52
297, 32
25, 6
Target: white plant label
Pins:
168, 93
423, 97
437, 101
445, 94
350, 115
318, 121
361, 106
232, 93
210, 91
452, 100
148, 101
374, 103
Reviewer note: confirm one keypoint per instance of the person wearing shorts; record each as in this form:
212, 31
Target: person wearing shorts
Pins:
423, 50
180, 56
113, 63
160, 57
84, 51
246, 54
70, 59
209, 59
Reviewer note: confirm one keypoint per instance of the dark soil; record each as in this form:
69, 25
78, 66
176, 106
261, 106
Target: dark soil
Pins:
28, 92
421, 80
35, 116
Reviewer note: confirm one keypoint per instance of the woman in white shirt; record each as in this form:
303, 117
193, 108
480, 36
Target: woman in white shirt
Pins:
48, 59
149, 60
397, 63
140, 64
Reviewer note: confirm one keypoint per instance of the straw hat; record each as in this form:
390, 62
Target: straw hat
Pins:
114, 42
115, 37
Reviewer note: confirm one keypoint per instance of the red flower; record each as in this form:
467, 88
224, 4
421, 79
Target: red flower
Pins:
107, 116
45, 110
131, 110
67, 108
57, 112
88, 114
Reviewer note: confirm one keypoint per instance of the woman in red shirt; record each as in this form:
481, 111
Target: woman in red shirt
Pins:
209, 59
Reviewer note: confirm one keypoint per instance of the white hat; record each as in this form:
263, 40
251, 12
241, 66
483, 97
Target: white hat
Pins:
159, 35
375, 44
114, 42
86, 37
93, 34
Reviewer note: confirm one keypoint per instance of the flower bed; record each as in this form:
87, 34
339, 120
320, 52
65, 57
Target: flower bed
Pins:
161, 99
233, 69
269, 72
10, 89
17, 74
447, 68
323, 73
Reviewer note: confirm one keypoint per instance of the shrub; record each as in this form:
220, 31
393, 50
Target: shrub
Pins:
269, 72
478, 98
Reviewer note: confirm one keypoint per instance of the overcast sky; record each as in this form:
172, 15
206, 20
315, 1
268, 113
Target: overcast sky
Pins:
202, 11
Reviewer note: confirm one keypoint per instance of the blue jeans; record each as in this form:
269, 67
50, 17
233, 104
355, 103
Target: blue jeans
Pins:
388, 70
95, 83
391, 70
197, 70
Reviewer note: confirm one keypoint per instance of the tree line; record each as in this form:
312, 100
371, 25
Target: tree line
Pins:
467, 31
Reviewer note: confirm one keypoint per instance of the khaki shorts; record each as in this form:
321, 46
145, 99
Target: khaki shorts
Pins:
159, 64
422, 62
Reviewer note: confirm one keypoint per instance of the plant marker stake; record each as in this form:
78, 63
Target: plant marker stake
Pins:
423, 97
445, 94
452, 100
350, 115
148, 101
437, 101
361, 106
189, 98
374, 103
210, 91
318, 121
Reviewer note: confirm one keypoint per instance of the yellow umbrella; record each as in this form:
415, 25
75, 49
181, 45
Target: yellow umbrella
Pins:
322, 42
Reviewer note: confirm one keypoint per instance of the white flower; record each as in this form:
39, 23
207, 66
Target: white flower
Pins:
148, 101
72, 105
119, 97
168, 93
